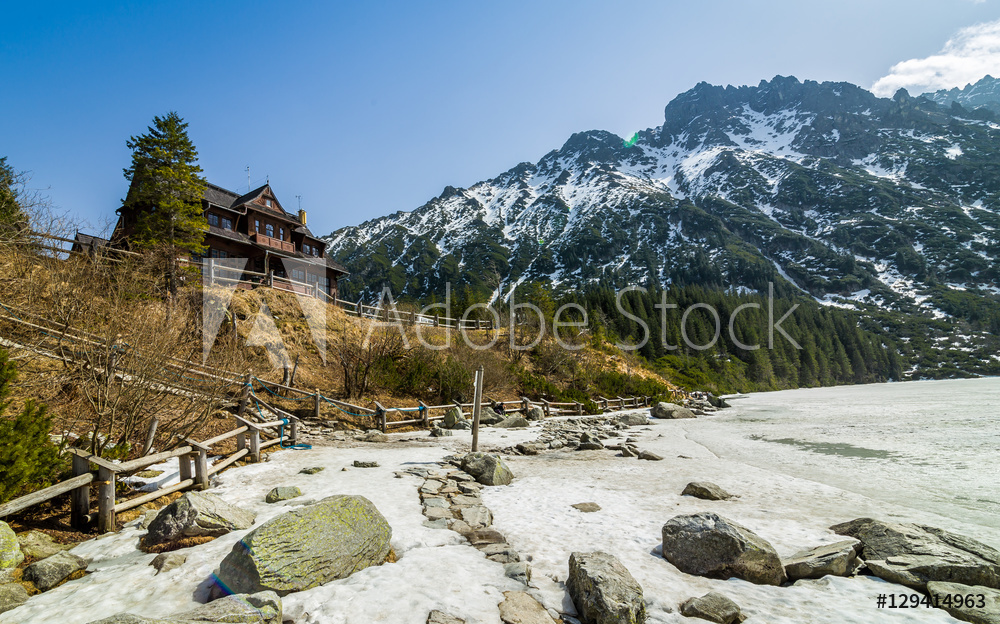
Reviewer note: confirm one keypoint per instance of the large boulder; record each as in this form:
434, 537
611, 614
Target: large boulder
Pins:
196, 514
603, 590
38, 545
980, 611
12, 596
706, 491
307, 547
838, 559
261, 608
670, 410
632, 419
10, 551
913, 555
713, 607
452, 418
512, 422
535, 413
282, 493
521, 608
489, 417
487, 469
51, 571
706, 544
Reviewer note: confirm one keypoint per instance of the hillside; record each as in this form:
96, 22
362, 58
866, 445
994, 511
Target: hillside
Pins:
883, 206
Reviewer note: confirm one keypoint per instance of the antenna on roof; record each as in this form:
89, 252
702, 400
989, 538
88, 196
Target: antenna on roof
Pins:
248, 178
299, 197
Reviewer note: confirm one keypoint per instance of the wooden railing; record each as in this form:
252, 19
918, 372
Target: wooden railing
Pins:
194, 470
270, 241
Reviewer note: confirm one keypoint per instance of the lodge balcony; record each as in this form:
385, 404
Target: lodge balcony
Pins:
276, 243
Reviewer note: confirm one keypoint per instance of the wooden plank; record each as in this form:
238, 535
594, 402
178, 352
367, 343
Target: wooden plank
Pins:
283, 387
224, 436
403, 423
44, 494
232, 459
101, 463
269, 443
255, 444
477, 409
132, 503
149, 460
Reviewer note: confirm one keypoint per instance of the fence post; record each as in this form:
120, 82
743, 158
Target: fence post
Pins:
185, 466
526, 405
80, 505
316, 398
437, 320
579, 409
255, 444
270, 279
293, 433
211, 271
241, 438
201, 468
477, 406
425, 414
105, 500
380, 414
546, 407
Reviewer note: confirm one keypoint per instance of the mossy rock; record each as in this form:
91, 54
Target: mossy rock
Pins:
308, 547
10, 550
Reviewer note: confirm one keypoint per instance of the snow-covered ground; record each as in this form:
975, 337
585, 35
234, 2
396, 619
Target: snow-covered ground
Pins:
436, 569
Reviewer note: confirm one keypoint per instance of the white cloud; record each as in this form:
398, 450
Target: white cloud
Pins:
968, 56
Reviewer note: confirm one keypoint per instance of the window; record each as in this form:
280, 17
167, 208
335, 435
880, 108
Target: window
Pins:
256, 225
306, 249
213, 219
311, 278
298, 276
326, 284
267, 202
270, 230
281, 233
227, 223
217, 253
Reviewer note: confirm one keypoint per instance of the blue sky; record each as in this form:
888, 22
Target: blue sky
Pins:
364, 109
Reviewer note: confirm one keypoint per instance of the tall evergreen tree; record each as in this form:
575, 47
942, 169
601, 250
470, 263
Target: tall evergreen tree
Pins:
167, 189
11, 212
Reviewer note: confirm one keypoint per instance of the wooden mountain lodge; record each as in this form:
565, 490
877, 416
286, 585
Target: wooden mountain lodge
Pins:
253, 226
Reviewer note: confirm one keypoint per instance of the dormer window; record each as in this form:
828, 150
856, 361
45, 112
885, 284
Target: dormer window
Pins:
227, 223
269, 229
213, 219
267, 202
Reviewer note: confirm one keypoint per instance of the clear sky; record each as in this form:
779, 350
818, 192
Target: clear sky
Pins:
366, 108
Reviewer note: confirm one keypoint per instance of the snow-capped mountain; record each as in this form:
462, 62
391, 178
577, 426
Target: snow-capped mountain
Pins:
983, 94
851, 198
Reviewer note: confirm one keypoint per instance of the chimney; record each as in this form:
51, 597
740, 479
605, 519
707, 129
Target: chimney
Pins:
302, 216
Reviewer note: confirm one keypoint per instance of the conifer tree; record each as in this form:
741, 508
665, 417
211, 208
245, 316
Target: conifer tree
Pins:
11, 212
167, 189
28, 457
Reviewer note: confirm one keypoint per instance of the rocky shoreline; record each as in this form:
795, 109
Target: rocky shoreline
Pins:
299, 545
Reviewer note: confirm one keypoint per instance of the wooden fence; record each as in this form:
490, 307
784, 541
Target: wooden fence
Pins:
194, 471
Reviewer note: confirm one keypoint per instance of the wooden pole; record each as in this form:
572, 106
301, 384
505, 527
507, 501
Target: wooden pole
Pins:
201, 469
105, 500
316, 398
245, 397
477, 407
425, 415
255, 444
579, 409
80, 499
547, 408
293, 433
150, 434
